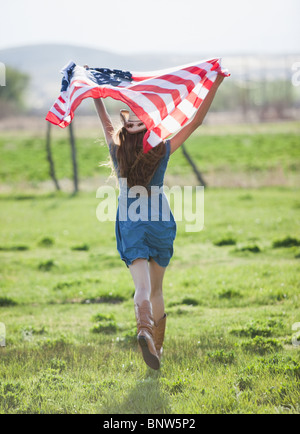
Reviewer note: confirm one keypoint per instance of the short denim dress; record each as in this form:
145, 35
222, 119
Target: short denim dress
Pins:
145, 226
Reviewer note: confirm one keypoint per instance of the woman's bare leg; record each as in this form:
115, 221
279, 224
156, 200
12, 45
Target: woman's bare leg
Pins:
143, 312
156, 296
141, 278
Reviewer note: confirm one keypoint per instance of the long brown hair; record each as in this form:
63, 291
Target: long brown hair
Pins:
133, 163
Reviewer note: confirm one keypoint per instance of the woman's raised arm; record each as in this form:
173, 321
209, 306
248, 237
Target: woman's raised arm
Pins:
106, 122
105, 119
197, 120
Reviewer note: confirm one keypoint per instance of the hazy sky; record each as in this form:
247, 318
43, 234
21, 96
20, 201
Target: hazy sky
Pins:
205, 26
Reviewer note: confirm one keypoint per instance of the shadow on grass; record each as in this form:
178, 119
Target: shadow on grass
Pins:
146, 397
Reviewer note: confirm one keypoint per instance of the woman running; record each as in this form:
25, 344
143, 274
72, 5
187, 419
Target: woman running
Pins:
145, 242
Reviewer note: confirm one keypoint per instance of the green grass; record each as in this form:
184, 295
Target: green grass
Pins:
69, 317
23, 156
231, 290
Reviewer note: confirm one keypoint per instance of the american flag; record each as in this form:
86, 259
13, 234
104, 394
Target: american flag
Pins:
164, 100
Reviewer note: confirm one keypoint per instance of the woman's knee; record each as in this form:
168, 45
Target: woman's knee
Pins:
142, 293
141, 288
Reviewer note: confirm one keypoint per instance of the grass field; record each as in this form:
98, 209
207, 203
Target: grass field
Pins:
242, 156
231, 291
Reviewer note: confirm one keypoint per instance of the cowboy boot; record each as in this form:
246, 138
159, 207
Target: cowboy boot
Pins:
159, 335
144, 319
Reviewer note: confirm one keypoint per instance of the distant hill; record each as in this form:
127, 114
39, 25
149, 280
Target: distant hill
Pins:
44, 62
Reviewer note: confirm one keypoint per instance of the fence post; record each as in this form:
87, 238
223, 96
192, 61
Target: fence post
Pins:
49, 157
74, 160
194, 167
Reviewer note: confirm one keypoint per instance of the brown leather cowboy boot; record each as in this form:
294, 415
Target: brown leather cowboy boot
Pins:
159, 335
144, 319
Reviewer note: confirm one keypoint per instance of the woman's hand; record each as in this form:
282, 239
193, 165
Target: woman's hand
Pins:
219, 79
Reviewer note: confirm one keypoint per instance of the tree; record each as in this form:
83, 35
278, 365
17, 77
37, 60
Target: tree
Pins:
12, 95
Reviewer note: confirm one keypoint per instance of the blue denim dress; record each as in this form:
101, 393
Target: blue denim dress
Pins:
145, 226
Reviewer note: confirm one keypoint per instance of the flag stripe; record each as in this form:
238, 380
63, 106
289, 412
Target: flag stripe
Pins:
158, 102
57, 108
189, 84
175, 94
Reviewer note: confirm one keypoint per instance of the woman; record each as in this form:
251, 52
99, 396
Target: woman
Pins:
146, 246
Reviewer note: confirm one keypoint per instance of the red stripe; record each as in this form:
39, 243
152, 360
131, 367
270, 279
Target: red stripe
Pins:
178, 81
72, 93
206, 82
146, 146
75, 84
175, 94
196, 70
52, 118
62, 112
194, 99
179, 116
158, 102
161, 131
217, 67
74, 90
202, 72
215, 63
142, 78
61, 99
